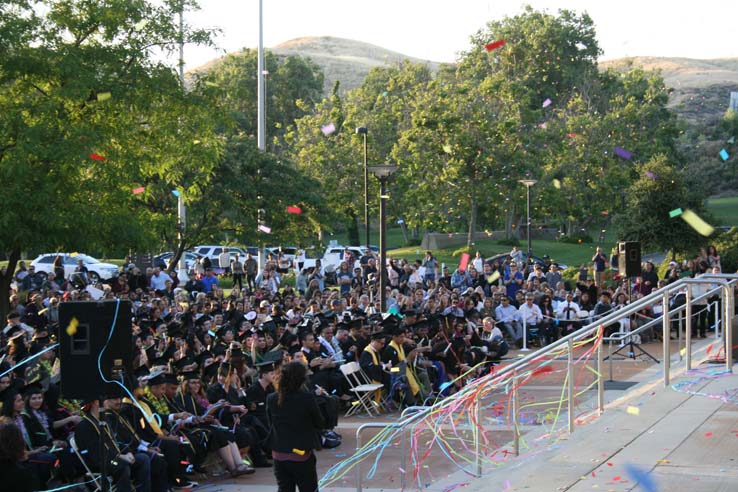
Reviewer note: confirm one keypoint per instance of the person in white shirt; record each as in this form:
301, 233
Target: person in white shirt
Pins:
507, 314
530, 315
569, 312
224, 259
159, 279
478, 262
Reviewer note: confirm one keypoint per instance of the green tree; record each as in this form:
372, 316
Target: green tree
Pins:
82, 99
658, 190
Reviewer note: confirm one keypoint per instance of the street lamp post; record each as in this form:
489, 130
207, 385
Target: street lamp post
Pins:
528, 183
362, 130
383, 173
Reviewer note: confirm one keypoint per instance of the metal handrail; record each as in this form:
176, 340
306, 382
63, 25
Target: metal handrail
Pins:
727, 281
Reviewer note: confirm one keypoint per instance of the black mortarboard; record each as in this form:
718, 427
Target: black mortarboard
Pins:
395, 330
190, 375
389, 320
159, 361
209, 372
157, 380
175, 330
184, 362
224, 368
378, 335
202, 357
274, 356
170, 378
141, 371
287, 338
218, 349
266, 366
269, 326
32, 388
292, 350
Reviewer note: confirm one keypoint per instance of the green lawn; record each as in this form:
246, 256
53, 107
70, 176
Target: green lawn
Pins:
725, 210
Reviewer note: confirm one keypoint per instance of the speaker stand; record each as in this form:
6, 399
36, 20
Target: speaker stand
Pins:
634, 351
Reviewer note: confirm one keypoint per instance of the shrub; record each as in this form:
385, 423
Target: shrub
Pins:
727, 247
576, 238
513, 241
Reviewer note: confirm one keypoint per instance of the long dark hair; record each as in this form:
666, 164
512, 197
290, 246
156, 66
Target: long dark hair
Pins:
12, 445
291, 380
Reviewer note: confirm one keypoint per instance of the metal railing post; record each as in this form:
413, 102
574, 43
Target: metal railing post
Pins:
728, 300
679, 335
570, 377
403, 459
358, 462
666, 334
688, 326
516, 409
600, 376
477, 434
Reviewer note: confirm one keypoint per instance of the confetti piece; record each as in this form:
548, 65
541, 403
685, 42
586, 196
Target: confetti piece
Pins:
464, 261
494, 45
447, 148
697, 223
556, 183
609, 464
605, 212
622, 153
495, 275
103, 96
675, 213
683, 352
72, 327
265, 229
724, 155
571, 135
731, 140
546, 103
651, 175
632, 411
708, 434
328, 129
291, 209
542, 126
196, 142
616, 479
641, 476
662, 462
211, 84
73, 254
97, 157
176, 193
140, 24
139, 190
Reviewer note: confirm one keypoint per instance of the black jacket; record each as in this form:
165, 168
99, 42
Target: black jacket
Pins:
294, 425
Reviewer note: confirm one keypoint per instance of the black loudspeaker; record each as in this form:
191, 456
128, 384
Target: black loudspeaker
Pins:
80, 376
629, 258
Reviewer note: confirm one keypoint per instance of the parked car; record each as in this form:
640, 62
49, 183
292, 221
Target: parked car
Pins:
334, 255
162, 260
213, 252
503, 257
97, 270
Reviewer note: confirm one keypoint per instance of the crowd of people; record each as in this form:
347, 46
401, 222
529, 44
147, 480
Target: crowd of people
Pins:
208, 367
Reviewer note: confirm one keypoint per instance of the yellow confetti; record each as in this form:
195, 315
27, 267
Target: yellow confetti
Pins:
683, 352
447, 148
663, 462
73, 254
103, 96
140, 24
557, 184
633, 410
495, 275
72, 328
697, 223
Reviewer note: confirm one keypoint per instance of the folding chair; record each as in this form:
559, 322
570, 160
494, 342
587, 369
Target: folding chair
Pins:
362, 388
89, 474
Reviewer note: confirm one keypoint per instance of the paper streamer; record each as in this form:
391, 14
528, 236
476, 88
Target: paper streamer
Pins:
494, 45
464, 261
697, 223
622, 153
492, 278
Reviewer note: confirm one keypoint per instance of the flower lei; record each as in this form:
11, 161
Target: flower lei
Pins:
160, 404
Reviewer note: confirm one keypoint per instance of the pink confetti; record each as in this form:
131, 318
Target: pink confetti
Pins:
617, 479
328, 129
97, 157
139, 190
546, 103
708, 434
609, 464
651, 175
265, 229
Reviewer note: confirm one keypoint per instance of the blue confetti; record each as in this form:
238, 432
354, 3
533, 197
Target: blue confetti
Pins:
724, 155
642, 477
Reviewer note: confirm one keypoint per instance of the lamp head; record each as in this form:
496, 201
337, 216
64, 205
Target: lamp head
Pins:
362, 130
384, 170
528, 182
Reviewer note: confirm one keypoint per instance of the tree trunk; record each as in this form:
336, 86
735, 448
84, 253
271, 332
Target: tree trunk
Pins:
416, 233
353, 229
405, 237
472, 222
5, 280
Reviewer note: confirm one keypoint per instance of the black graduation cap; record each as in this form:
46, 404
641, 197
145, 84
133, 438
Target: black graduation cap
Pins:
157, 380
209, 372
184, 362
389, 321
269, 326
395, 330
170, 378
356, 323
409, 312
378, 335
274, 356
423, 323
267, 366
202, 319
159, 361
236, 350
175, 330
218, 349
202, 357
287, 338
225, 368
141, 371
292, 350
32, 388
190, 375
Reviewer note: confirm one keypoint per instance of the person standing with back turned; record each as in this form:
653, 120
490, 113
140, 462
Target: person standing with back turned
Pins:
295, 422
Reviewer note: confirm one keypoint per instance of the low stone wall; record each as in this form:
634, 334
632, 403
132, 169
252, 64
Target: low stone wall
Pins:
435, 240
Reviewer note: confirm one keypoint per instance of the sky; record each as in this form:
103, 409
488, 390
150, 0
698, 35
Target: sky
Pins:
438, 30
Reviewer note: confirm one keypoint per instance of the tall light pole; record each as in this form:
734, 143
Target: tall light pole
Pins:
362, 130
383, 173
528, 183
181, 212
261, 117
